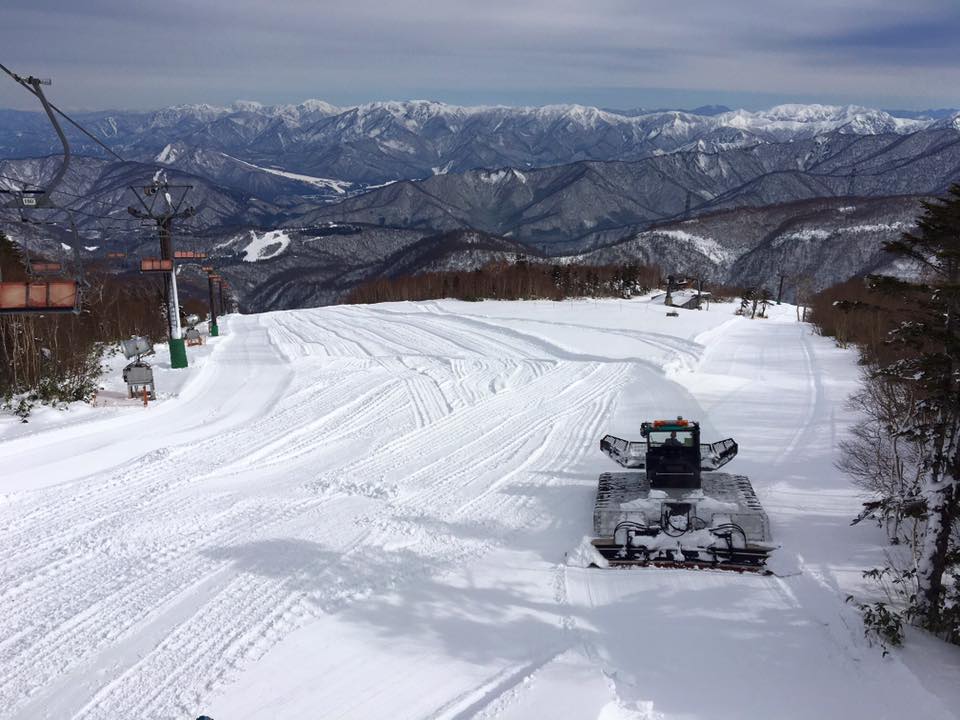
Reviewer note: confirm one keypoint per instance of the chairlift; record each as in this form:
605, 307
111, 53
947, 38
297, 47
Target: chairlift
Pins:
31, 297
40, 293
28, 199
189, 255
46, 268
118, 259
156, 265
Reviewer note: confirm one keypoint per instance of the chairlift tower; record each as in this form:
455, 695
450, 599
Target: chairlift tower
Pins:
211, 277
223, 307
163, 203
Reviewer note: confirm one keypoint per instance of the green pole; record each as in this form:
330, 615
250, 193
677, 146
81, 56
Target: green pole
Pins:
178, 353
178, 348
214, 330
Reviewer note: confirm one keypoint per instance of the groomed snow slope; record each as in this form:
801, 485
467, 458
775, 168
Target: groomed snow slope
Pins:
363, 512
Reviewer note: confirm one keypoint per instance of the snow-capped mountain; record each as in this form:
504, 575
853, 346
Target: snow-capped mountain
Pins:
363, 191
951, 122
778, 205
573, 207
785, 122
379, 142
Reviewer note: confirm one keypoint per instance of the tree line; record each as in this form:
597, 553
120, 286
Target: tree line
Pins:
905, 451
520, 280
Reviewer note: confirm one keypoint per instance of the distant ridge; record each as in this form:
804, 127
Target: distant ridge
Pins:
925, 114
380, 142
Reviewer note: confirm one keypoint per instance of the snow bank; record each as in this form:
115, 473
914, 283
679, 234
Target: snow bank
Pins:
619, 710
585, 555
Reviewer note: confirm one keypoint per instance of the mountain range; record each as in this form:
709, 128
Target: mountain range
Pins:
384, 141
561, 181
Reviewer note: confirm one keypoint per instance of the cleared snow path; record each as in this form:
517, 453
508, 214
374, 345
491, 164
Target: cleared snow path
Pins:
363, 512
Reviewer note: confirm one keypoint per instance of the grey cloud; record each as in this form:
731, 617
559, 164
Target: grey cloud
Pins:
113, 53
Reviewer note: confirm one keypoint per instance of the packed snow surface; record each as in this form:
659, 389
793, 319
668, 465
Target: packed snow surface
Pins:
366, 512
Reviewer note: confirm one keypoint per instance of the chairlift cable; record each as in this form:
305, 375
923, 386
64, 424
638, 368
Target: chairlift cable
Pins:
58, 223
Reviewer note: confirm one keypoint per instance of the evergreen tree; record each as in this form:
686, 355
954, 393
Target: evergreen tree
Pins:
746, 297
929, 363
764, 297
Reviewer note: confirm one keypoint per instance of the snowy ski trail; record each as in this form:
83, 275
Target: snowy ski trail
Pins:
363, 511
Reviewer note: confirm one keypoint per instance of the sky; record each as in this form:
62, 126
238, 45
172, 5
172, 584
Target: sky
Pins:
135, 54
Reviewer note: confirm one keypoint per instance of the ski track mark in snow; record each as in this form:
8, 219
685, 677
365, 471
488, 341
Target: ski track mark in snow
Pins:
157, 474
473, 702
815, 400
389, 456
161, 591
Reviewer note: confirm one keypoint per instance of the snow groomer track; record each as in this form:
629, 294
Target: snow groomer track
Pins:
378, 511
